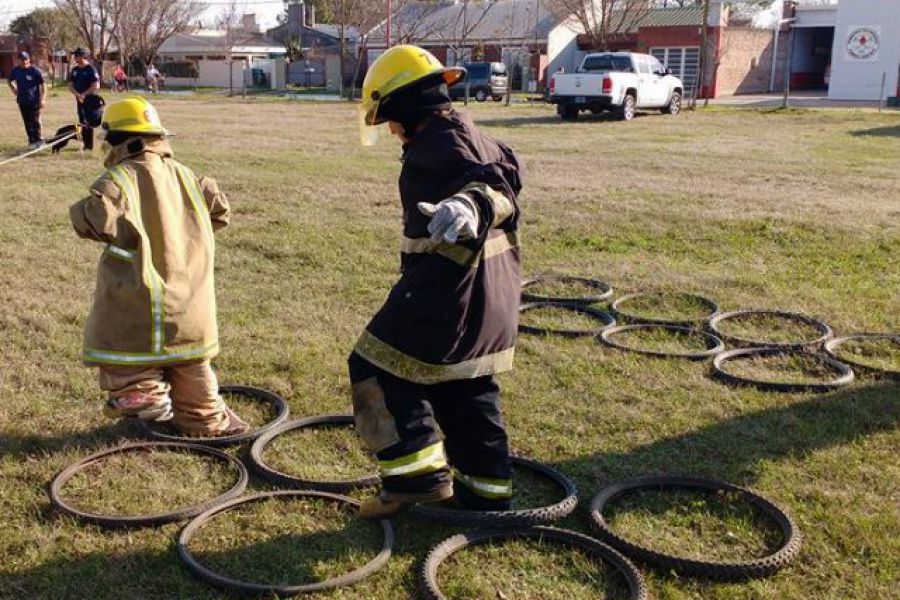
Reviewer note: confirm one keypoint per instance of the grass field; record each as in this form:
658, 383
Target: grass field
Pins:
796, 210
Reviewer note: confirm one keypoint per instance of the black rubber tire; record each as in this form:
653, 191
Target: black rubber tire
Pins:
674, 106
604, 290
713, 344
832, 345
281, 414
481, 95
145, 520
250, 588
508, 518
845, 378
255, 458
724, 571
626, 111
428, 577
825, 331
567, 113
605, 318
497, 98
638, 319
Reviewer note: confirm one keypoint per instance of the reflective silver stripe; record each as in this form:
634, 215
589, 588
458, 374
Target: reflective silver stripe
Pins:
157, 308
121, 253
479, 485
434, 458
190, 184
113, 357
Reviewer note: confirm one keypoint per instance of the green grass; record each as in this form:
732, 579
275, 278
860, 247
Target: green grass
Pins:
881, 354
796, 211
659, 339
666, 306
717, 527
765, 329
788, 368
320, 453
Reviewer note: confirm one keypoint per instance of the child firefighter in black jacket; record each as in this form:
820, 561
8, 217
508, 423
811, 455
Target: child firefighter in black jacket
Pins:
427, 359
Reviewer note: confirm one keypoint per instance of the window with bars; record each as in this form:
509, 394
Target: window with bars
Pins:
684, 63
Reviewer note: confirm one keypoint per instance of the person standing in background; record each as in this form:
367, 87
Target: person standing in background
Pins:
27, 85
84, 81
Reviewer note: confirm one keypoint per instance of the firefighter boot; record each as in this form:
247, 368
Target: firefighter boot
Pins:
387, 504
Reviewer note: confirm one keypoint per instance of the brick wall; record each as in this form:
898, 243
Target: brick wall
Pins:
745, 61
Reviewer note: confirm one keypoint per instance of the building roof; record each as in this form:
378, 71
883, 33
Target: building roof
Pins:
672, 17
482, 21
211, 40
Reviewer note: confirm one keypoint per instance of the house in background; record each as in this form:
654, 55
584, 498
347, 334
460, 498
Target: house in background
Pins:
851, 49
315, 48
255, 59
10, 46
521, 33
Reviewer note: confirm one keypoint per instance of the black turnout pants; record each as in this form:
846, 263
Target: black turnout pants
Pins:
87, 132
399, 419
31, 116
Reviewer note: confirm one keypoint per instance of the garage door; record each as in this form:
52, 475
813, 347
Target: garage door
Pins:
684, 62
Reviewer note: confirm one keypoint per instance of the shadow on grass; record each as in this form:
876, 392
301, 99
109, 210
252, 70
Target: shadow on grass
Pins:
733, 449
552, 119
893, 131
21, 445
150, 574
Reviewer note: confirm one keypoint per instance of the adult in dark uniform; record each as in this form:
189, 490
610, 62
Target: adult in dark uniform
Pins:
84, 81
427, 359
27, 85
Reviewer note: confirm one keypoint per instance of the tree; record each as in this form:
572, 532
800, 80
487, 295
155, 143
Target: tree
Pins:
601, 20
94, 20
143, 26
325, 10
230, 23
49, 23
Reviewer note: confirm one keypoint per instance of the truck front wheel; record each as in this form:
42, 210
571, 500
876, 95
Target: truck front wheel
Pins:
625, 112
674, 105
567, 113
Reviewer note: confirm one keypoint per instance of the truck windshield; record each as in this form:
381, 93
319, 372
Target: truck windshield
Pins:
605, 63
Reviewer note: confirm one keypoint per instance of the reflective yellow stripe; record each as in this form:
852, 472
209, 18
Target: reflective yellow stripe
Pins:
157, 306
427, 460
500, 204
496, 244
412, 369
113, 357
189, 181
484, 486
120, 253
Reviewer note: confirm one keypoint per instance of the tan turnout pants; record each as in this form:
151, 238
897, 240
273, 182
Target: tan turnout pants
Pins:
198, 409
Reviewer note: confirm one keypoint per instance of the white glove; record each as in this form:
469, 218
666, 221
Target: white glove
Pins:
455, 218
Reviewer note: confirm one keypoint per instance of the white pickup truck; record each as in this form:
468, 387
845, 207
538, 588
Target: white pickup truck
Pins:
619, 82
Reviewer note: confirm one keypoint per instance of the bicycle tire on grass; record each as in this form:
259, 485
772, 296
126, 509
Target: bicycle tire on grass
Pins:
832, 345
719, 570
259, 466
713, 344
603, 289
509, 518
201, 572
824, 330
594, 548
150, 520
718, 366
281, 414
638, 319
604, 318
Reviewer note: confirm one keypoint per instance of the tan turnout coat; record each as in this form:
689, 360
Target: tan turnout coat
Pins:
155, 298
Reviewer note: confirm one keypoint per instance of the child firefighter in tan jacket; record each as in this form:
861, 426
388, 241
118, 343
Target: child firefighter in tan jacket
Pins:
152, 327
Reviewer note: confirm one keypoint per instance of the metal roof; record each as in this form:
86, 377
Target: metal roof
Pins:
672, 17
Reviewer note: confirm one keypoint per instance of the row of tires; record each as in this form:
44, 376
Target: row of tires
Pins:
495, 526
823, 348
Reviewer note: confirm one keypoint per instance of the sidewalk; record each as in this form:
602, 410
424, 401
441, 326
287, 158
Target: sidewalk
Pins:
797, 100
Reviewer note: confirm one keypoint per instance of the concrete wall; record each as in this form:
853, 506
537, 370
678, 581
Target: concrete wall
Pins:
213, 73
745, 61
855, 79
562, 49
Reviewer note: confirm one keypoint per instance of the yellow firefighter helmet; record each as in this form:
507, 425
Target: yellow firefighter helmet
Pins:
397, 68
133, 115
